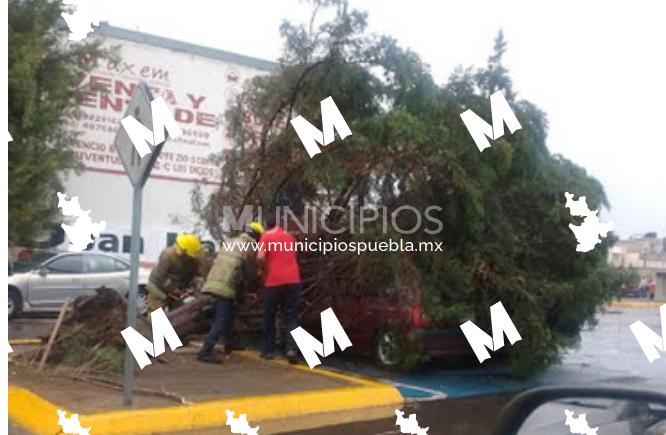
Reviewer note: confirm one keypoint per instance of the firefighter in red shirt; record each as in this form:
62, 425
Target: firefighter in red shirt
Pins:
282, 286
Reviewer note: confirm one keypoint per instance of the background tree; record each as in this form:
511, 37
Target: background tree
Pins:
43, 71
506, 233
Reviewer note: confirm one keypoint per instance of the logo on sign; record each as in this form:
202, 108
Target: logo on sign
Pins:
142, 137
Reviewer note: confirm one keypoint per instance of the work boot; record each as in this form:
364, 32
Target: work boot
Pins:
233, 347
267, 355
206, 355
209, 358
292, 357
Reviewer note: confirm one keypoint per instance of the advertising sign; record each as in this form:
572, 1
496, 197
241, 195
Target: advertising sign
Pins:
197, 90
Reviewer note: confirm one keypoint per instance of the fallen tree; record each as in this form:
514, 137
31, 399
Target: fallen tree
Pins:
506, 233
89, 337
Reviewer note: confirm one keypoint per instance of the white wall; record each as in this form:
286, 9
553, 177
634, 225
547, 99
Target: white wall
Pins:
197, 90
660, 293
109, 196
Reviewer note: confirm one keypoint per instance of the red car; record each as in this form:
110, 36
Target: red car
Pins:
634, 292
390, 328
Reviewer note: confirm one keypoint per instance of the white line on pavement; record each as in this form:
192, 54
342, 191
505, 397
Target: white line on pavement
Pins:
434, 394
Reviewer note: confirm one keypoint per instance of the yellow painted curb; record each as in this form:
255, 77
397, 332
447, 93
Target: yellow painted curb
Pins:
32, 411
354, 379
25, 341
637, 304
210, 414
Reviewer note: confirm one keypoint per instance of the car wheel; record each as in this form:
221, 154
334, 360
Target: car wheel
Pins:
15, 303
389, 348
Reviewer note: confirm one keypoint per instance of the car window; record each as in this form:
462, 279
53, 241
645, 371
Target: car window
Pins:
32, 262
100, 264
66, 264
121, 266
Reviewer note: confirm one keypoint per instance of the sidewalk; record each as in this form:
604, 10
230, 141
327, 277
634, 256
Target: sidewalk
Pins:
636, 303
244, 384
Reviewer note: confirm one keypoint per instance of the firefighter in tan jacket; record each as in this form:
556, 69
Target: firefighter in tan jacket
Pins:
179, 268
227, 281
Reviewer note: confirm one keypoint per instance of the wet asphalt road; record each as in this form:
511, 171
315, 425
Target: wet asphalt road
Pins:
608, 354
464, 416
22, 328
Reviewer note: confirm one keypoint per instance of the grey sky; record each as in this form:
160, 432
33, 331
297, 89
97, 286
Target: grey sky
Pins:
596, 69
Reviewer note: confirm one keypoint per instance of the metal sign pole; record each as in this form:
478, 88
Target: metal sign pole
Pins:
138, 169
128, 372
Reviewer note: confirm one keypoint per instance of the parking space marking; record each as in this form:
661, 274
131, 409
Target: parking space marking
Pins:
434, 394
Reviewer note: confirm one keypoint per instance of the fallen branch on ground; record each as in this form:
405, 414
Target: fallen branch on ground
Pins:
94, 380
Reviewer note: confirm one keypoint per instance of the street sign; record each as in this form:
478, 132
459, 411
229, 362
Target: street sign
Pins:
137, 168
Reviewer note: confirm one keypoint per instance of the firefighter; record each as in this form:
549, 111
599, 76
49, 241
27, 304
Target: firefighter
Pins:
229, 280
179, 268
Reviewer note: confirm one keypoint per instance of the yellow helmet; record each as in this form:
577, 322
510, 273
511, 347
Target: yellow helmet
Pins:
190, 244
257, 227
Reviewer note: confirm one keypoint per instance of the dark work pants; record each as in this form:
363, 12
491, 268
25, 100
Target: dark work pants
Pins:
286, 297
223, 321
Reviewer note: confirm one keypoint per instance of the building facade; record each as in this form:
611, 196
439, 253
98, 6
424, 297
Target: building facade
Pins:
647, 255
198, 84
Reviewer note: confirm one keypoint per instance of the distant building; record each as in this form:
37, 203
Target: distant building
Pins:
661, 287
198, 84
647, 254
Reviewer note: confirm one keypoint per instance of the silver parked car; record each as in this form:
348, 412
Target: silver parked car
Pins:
43, 284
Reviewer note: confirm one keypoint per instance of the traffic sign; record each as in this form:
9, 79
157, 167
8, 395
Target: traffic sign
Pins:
138, 169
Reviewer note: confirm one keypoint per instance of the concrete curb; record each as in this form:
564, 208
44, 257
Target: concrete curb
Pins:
637, 304
25, 341
32, 411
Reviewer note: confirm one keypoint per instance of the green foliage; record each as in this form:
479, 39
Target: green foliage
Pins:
617, 278
506, 233
42, 94
77, 352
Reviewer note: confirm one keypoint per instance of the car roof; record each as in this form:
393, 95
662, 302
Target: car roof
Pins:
88, 253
